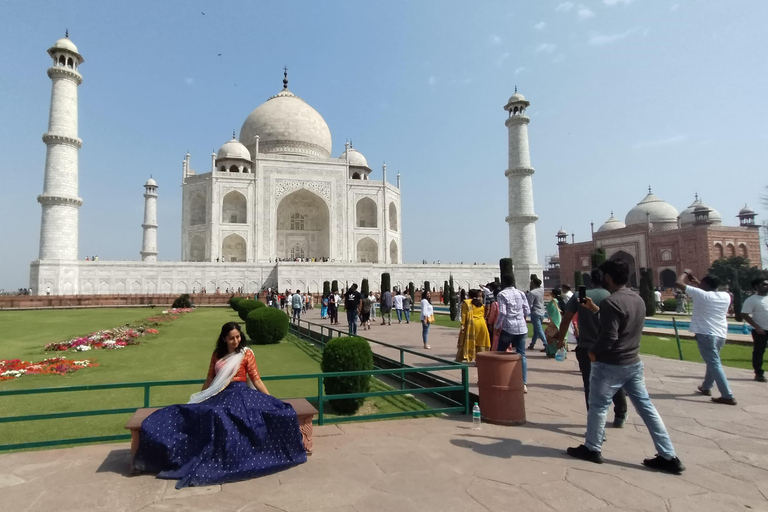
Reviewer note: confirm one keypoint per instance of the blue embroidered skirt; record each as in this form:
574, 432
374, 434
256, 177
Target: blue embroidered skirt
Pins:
237, 434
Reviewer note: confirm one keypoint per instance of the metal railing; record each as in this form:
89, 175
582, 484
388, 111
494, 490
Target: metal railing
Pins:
399, 373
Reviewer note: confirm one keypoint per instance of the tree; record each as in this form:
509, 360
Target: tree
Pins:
646, 291
335, 286
446, 297
326, 289
578, 280
426, 287
507, 272
364, 290
598, 257
738, 298
732, 270
385, 282
453, 306
412, 293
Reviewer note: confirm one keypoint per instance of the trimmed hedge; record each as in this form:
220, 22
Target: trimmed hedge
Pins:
670, 304
507, 274
234, 301
266, 326
182, 301
348, 353
245, 306
385, 283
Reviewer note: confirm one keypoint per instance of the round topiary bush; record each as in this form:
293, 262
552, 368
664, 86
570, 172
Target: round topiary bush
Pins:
182, 301
348, 353
670, 305
234, 301
245, 306
266, 325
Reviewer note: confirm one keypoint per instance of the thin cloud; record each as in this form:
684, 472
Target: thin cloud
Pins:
601, 39
540, 25
585, 13
495, 39
565, 7
545, 47
674, 7
560, 58
432, 80
519, 70
611, 3
189, 81
669, 141
501, 59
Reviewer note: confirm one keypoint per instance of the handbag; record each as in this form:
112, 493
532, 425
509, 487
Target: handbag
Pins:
431, 319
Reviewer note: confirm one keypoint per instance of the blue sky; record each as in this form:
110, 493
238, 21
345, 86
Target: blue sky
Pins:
624, 94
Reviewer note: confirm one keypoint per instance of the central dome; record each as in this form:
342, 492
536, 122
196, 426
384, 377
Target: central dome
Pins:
287, 125
659, 212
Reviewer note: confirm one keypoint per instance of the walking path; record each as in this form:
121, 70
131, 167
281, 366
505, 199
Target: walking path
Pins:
441, 464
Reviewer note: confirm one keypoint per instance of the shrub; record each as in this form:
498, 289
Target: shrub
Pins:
507, 274
335, 286
326, 288
182, 301
646, 291
386, 285
454, 309
670, 305
412, 293
245, 306
348, 353
446, 297
266, 325
364, 290
578, 279
234, 301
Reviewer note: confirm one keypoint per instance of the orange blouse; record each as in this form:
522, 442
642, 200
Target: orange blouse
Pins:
247, 367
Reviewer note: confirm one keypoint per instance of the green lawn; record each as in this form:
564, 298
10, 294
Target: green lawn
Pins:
181, 351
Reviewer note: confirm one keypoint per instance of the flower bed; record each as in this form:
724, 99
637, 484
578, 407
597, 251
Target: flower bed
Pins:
15, 368
110, 339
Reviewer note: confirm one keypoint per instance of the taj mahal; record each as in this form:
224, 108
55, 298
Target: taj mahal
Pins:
272, 208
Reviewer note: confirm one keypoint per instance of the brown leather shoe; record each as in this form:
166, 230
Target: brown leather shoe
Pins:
723, 400
705, 392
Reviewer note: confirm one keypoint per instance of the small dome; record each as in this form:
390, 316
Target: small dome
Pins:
65, 44
746, 211
356, 158
652, 208
150, 183
286, 124
562, 232
233, 149
611, 224
516, 97
688, 216
554, 257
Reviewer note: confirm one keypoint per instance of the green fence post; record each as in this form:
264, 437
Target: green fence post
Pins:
320, 401
402, 375
465, 383
146, 396
677, 337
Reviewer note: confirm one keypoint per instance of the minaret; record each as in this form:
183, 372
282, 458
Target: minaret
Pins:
149, 241
60, 202
521, 218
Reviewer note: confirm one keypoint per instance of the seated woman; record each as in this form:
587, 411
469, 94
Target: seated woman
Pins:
229, 431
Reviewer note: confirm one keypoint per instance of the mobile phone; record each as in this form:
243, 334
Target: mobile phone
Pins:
582, 294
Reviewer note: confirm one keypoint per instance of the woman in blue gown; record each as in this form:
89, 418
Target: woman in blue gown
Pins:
231, 430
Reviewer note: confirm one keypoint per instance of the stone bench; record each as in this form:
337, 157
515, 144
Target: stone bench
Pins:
304, 411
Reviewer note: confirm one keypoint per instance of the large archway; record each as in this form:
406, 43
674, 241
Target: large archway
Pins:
668, 278
367, 251
366, 213
234, 208
392, 217
196, 248
303, 226
233, 248
393, 252
630, 261
197, 213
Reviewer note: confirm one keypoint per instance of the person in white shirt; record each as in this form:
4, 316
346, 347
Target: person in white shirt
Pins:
755, 313
657, 298
710, 326
426, 312
398, 300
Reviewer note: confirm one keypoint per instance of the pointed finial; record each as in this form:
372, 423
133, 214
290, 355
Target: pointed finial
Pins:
233, 135
285, 77
611, 213
649, 189
515, 89
66, 33
696, 195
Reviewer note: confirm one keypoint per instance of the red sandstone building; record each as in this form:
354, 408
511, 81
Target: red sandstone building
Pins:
655, 236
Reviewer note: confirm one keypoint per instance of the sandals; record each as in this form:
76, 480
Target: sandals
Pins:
428, 347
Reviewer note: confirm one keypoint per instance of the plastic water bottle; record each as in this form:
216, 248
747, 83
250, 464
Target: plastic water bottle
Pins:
560, 355
476, 417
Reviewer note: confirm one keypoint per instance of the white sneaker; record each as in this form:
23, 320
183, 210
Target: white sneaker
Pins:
525, 388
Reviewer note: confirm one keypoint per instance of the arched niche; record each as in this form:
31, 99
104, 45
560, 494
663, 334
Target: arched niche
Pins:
668, 278
393, 217
196, 248
233, 248
303, 220
234, 208
366, 213
367, 250
393, 252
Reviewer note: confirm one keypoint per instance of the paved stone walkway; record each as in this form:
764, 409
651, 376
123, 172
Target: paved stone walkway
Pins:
441, 464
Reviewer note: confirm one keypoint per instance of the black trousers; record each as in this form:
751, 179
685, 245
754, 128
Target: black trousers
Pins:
758, 350
333, 312
585, 365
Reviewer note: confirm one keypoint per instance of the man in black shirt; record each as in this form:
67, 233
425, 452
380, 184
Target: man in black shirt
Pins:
352, 303
616, 364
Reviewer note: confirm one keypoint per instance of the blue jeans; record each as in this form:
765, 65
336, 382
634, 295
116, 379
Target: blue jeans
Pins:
606, 380
518, 342
399, 315
538, 330
407, 315
709, 347
296, 314
424, 331
352, 320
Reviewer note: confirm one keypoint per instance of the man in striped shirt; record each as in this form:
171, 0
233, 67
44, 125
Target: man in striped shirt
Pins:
513, 308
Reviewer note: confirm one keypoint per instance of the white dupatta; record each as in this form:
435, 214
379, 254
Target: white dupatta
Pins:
226, 369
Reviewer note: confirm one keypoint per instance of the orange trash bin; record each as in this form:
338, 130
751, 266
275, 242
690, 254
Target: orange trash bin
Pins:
500, 384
